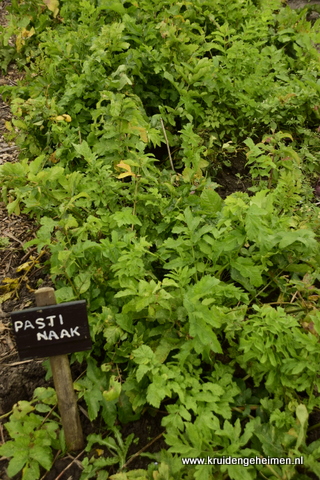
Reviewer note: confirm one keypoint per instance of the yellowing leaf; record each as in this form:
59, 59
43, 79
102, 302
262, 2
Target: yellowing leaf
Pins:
53, 6
142, 132
9, 281
127, 167
124, 175
286, 98
6, 296
25, 266
62, 118
20, 40
53, 158
8, 125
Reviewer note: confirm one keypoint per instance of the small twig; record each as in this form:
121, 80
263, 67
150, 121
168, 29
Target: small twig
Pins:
78, 462
31, 250
48, 414
12, 237
2, 436
141, 451
7, 149
73, 461
55, 458
167, 143
85, 413
19, 363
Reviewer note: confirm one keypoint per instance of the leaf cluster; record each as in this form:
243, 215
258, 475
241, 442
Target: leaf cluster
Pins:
201, 305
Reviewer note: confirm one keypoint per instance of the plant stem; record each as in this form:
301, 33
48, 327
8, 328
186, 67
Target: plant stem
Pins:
167, 143
141, 451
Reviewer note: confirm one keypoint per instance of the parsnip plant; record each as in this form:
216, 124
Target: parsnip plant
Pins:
204, 306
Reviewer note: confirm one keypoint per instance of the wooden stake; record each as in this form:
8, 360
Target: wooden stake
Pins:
63, 384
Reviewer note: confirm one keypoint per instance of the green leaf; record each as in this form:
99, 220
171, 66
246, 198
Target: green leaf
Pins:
143, 355
21, 409
93, 398
210, 201
114, 390
247, 269
43, 455
7, 449
125, 217
18, 461
84, 150
83, 281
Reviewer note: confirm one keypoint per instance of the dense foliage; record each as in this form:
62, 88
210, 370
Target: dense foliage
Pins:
203, 305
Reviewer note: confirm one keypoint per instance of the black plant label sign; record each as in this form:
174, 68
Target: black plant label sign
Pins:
53, 330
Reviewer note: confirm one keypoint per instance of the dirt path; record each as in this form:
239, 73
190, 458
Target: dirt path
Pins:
302, 3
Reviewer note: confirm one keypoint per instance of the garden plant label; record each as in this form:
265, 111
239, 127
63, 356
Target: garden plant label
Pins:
52, 330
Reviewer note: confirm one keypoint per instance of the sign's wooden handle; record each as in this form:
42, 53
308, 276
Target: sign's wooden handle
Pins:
63, 384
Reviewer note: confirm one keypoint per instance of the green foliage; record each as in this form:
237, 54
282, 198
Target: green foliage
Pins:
94, 467
32, 436
203, 306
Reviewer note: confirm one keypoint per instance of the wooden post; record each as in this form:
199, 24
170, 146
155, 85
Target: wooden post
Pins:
63, 384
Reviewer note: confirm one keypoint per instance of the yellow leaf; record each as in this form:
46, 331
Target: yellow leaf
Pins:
124, 175
99, 451
6, 296
53, 6
292, 432
286, 98
28, 33
8, 125
10, 280
127, 167
62, 118
124, 165
25, 266
67, 117
20, 40
30, 289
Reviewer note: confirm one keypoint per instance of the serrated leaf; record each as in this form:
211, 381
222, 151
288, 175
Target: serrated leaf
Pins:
143, 355
17, 462
7, 449
84, 150
247, 269
141, 371
155, 395
31, 471
21, 409
93, 398
43, 455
